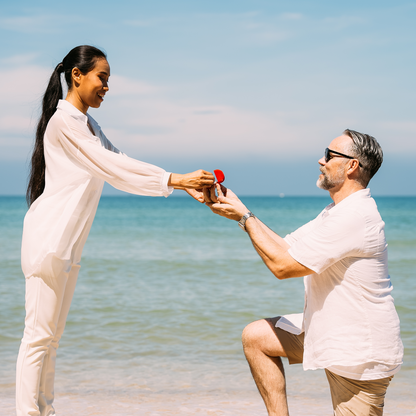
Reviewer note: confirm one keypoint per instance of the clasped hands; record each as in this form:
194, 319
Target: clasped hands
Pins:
224, 202
202, 187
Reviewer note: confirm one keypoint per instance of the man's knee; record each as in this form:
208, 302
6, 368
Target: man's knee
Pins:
254, 334
261, 336
247, 335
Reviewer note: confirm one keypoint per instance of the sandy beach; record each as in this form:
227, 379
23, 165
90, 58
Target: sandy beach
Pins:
308, 395
203, 404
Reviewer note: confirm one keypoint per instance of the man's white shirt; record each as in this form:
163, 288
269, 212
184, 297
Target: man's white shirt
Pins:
350, 322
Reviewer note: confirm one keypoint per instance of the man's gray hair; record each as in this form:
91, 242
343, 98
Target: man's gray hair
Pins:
368, 151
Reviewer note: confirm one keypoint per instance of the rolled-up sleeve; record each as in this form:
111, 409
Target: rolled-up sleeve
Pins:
300, 232
336, 237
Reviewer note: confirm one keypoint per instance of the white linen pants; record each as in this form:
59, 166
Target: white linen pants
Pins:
47, 306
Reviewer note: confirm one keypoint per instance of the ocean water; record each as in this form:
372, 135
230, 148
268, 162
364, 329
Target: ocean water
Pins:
165, 290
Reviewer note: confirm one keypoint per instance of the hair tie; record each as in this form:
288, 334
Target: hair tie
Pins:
60, 67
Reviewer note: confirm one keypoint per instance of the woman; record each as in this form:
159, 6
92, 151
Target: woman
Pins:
71, 160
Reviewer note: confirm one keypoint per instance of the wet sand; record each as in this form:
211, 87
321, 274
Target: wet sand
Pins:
204, 404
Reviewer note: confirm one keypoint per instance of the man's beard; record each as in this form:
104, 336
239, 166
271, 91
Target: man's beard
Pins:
328, 182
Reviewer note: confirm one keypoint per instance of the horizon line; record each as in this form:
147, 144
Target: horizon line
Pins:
282, 196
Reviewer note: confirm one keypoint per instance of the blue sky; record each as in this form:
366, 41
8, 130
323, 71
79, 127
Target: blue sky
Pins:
256, 88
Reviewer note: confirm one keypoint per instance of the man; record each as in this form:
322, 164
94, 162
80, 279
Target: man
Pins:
349, 326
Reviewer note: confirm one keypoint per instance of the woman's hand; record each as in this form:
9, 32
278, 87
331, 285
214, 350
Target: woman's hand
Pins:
194, 180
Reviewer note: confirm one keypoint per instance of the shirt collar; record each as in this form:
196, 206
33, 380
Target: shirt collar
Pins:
93, 123
72, 111
361, 194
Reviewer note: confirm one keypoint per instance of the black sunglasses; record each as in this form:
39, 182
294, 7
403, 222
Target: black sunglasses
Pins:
328, 156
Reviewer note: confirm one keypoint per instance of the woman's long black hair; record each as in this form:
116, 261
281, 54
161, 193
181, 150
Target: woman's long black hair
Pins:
84, 58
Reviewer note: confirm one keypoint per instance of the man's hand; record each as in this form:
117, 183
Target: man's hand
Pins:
204, 194
227, 206
197, 194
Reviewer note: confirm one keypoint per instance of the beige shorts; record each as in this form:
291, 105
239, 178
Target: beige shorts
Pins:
349, 397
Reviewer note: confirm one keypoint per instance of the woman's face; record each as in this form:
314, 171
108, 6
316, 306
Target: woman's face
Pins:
92, 86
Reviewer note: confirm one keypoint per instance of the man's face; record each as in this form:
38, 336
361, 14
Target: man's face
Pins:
333, 172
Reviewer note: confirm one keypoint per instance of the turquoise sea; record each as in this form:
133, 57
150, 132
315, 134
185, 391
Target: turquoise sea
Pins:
165, 289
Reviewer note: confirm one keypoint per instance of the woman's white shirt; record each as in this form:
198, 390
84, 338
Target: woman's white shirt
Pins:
77, 164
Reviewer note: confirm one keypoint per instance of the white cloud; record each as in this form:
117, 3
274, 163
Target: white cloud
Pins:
14, 146
400, 134
123, 86
41, 22
142, 22
138, 118
19, 60
145, 120
28, 24
263, 31
21, 90
401, 126
154, 124
23, 85
266, 37
340, 23
14, 122
291, 16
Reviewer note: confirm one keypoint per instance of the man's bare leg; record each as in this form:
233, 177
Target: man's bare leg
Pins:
263, 351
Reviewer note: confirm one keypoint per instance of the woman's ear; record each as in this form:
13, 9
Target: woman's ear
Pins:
76, 75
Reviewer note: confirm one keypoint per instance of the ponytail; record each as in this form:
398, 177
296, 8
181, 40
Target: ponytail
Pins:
50, 100
82, 57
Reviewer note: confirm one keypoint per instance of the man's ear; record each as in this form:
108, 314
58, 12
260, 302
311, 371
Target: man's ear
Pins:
353, 166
